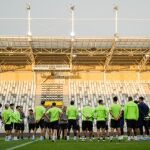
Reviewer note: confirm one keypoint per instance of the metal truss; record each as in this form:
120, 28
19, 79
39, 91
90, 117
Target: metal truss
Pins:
144, 60
109, 55
86, 49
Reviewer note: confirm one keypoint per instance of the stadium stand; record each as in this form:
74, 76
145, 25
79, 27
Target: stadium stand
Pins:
20, 93
90, 92
52, 92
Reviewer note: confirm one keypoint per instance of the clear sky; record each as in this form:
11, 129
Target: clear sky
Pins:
87, 9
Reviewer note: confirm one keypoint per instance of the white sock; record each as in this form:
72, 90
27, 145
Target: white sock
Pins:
129, 138
83, 138
6, 137
67, 137
33, 137
53, 138
75, 137
135, 137
9, 137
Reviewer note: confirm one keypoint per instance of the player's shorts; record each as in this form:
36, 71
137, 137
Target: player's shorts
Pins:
87, 125
132, 124
63, 126
54, 125
8, 127
12, 126
78, 127
46, 124
21, 126
40, 124
106, 127
17, 126
32, 126
101, 124
72, 124
115, 123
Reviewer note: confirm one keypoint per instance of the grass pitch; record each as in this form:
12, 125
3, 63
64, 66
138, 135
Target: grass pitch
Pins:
74, 145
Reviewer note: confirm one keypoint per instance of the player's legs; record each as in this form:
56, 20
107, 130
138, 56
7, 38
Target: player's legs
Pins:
54, 130
90, 129
103, 133
42, 129
112, 133
74, 129
84, 130
118, 133
98, 130
7, 132
33, 129
21, 130
17, 131
103, 126
49, 131
129, 129
106, 131
65, 131
69, 128
145, 123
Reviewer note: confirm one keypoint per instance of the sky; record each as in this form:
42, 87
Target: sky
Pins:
92, 17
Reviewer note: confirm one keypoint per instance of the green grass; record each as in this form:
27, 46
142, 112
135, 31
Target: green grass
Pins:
78, 145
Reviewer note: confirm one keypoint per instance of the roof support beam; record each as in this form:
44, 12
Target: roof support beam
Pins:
31, 54
110, 54
144, 60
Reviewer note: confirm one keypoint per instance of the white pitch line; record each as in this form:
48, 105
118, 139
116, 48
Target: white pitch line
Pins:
21, 145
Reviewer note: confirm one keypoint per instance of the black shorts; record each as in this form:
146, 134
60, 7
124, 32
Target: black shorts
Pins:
101, 124
46, 124
87, 125
8, 127
54, 125
12, 126
132, 124
106, 127
78, 127
72, 124
32, 126
63, 126
115, 123
40, 124
21, 126
17, 126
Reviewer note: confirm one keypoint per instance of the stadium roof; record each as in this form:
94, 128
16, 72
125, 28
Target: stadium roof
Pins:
78, 51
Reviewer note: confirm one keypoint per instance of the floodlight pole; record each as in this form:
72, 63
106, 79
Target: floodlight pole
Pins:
72, 21
116, 20
29, 20
72, 34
